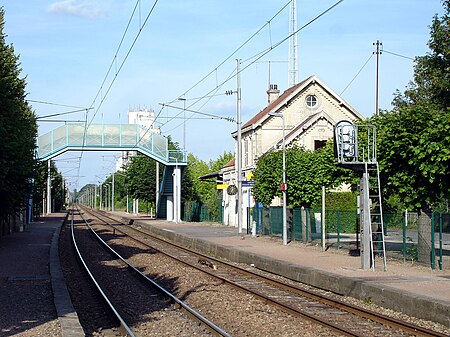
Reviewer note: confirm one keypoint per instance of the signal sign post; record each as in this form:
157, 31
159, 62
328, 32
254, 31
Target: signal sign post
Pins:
361, 157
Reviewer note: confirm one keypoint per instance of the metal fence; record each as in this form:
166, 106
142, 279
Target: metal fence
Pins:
198, 212
423, 238
410, 237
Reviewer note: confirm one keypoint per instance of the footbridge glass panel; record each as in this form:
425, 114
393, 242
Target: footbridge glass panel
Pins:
108, 137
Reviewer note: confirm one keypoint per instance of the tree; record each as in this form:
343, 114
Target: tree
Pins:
193, 188
431, 85
203, 192
39, 189
306, 173
213, 196
18, 132
141, 178
414, 138
267, 176
414, 155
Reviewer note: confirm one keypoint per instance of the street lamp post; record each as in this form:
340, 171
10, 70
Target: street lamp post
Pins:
112, 194
108, 200
95, 196
105, 200
283, 184
101, 192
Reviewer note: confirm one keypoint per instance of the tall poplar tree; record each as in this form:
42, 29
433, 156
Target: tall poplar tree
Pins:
18, 131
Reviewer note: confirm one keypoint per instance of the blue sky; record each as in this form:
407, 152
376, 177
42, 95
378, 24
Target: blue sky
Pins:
66, 48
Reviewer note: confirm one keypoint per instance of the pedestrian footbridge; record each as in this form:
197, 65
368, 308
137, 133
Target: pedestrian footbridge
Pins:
108, 137
122, 137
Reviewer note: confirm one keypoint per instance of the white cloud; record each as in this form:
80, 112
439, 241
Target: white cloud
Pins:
76, 8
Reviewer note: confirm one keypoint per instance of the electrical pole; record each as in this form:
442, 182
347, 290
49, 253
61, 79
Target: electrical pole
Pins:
377, 52
239, 146
293, 45
184, 120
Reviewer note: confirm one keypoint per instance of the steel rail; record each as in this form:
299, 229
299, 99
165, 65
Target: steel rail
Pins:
124, 328
179, 304
353, 309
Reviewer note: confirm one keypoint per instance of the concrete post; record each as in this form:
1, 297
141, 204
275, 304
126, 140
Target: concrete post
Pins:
365, 223
49, 188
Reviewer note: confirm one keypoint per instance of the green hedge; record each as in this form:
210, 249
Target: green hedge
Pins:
345, 201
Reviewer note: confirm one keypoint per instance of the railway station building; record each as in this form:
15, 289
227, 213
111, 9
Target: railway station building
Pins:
310, 110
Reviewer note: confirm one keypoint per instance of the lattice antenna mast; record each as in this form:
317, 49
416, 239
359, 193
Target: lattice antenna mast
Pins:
293, 45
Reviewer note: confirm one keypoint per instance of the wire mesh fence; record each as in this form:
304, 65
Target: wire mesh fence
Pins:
417, 238
423, 238
199, 212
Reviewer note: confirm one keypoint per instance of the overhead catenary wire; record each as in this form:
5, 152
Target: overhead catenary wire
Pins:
233, 53
214, 71
262, 53
215, 90
367, 61
57, 104
357, 74
228, 119
62, 113
62, 121
208, 95
253, 59
117, 71
123, 61
399, 55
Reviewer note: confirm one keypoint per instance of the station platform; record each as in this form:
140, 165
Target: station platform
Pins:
34, 300
407, 287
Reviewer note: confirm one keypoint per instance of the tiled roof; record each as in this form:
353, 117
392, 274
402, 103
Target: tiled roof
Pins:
230, 163
270, 107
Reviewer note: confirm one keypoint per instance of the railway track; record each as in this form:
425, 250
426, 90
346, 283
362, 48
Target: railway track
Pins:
123, 326
342, 317
125, 309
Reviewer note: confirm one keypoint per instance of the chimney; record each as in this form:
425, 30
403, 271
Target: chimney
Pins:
273, 93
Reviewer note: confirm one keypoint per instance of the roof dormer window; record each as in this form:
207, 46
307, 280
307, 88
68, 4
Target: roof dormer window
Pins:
311, 101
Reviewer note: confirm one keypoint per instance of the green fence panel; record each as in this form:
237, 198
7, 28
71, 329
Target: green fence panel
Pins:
410, 237
276, 221
265, 222
297, 228
198, 212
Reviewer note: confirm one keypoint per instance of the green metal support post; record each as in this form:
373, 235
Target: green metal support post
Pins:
404, 220
308, 221
433, 253
440, 241
338, 228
